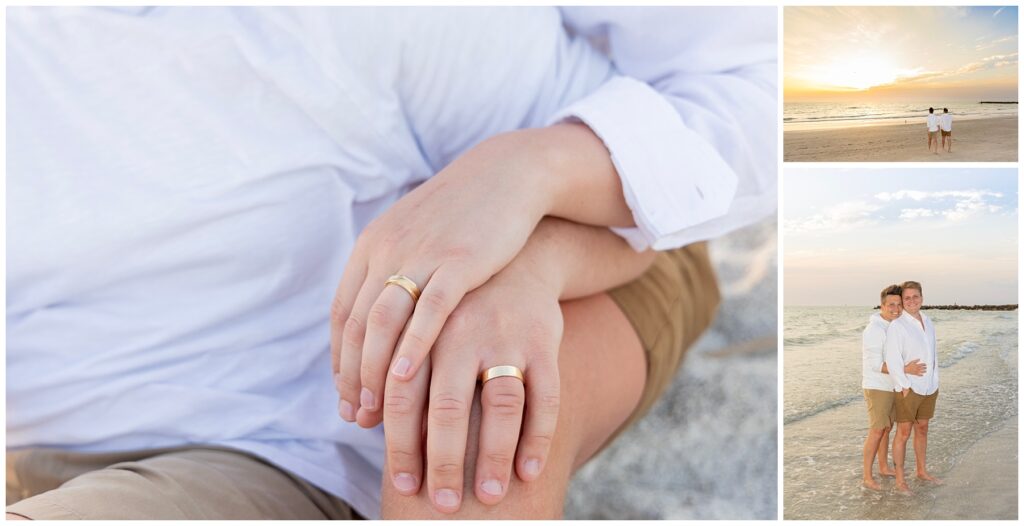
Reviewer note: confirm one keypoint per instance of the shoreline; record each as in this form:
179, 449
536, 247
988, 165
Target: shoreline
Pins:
986, 140
984, 469
843, 124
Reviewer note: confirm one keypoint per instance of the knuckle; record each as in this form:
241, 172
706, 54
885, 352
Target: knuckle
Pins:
504, 403
498, 459
355, 329
457, 253
548, 402
448, 410
446, 469
541, 440
435, 299
398, 404
415, 341
349, 383
399, 456
339, 314
381, 315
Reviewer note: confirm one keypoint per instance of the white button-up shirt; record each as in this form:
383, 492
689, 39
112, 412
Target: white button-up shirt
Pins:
905, 341
184, 187
946, 122
933, 122
873, 353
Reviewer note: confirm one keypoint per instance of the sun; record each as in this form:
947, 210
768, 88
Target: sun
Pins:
857, 72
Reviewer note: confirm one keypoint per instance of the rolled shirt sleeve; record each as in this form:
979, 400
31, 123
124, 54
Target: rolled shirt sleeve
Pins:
690, 119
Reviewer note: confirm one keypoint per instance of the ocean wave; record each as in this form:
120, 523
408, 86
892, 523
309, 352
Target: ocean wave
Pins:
960, 352
820, 408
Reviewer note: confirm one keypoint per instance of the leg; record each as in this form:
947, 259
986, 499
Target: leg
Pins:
870, 449
920, 450
899, 454
883, 454
602, 370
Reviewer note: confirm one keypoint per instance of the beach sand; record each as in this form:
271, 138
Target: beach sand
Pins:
708, 448
983, 474
992, 139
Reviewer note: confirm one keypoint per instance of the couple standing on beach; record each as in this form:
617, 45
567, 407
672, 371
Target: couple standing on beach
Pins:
901, 382
943, 123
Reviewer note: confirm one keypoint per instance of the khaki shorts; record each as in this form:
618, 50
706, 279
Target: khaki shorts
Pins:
193, 483
669, 307
933, 133
947, 133
915, 407
880, 408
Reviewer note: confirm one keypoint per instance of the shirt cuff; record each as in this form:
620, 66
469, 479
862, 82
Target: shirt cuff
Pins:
672, 178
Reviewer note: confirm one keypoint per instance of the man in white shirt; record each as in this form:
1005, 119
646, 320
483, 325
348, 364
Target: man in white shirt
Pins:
933, 130
946, 124
878, 386
912, 337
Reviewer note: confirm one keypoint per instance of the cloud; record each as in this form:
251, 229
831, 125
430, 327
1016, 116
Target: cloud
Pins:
965, 203
985, 45
841, 217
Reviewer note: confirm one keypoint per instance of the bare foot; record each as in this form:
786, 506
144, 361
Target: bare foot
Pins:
871, 484
903, 489
928, 478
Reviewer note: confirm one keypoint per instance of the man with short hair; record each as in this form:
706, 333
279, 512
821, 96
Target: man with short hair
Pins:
879, 390
933, 130
912, 336
946, 126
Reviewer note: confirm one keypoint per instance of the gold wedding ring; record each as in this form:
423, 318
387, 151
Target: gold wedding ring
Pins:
406, 284
502, 370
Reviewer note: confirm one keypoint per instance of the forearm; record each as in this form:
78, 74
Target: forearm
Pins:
577, 260
569, 171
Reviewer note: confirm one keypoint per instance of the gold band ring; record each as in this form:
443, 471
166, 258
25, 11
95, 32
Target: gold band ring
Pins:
502, 370
406, 283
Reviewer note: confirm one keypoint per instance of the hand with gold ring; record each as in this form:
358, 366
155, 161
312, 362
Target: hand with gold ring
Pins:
448, 237
502, 343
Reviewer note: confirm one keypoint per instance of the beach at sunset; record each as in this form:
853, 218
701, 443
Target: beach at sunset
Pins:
983, 139
870, 83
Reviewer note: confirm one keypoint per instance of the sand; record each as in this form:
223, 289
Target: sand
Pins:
708, 448
991, 139
982, 475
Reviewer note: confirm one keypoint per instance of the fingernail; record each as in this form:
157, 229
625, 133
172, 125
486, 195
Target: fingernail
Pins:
405, 482
532, 467
402, 366
366, 399
446, 498
491, 487
346, 411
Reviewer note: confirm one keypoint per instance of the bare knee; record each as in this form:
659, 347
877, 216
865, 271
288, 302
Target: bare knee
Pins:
921, 428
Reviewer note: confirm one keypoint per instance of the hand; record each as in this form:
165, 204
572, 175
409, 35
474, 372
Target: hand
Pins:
906, 392
915, 367
513, 319
448, 236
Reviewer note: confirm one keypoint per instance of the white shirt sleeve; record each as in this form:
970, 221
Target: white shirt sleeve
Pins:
874, 349
691, 121
894, 358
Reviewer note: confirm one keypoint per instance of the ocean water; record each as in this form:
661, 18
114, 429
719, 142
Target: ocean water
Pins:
806, 115
825, 417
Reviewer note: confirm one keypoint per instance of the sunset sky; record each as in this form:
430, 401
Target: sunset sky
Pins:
848, 232
900, 53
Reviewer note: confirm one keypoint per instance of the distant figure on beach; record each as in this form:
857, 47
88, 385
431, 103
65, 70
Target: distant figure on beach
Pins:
933, 130
911, 336
946, 124
879, 389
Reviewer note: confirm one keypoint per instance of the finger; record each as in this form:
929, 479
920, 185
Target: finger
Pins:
502, 401
443, 292
404, 403
542, 402
344, 297
452, 386
385, 321
351, 352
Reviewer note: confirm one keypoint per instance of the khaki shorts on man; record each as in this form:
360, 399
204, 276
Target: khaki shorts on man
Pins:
881, 406
914, 407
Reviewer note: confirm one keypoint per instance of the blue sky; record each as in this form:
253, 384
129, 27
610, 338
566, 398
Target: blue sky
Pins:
847, 232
